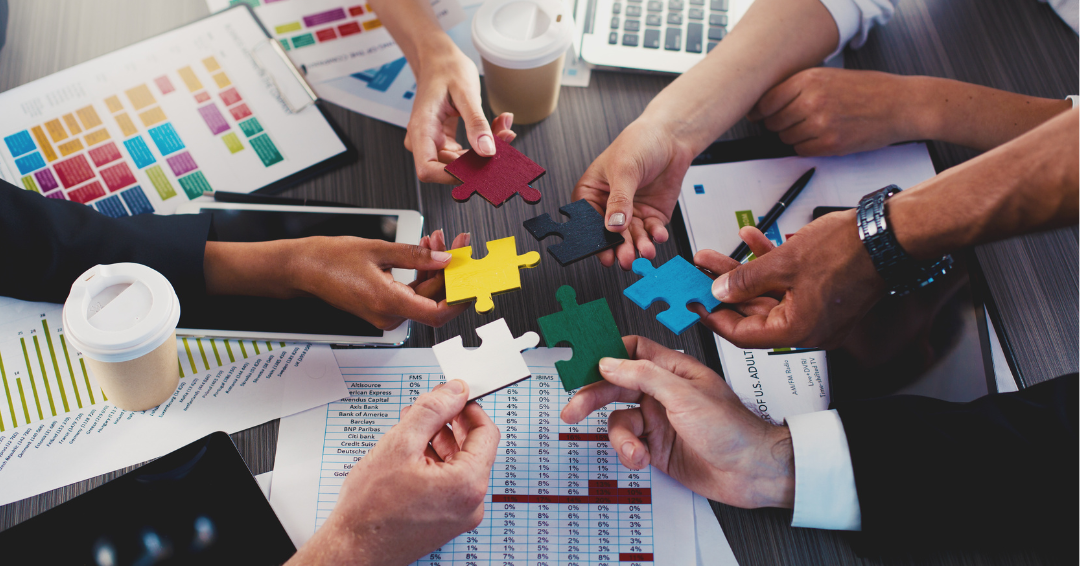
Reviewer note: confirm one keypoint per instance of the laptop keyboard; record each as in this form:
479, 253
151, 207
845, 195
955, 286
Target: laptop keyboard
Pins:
674, 25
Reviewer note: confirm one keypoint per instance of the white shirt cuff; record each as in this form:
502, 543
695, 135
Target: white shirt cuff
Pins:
825, 494
1074, 99
854, 18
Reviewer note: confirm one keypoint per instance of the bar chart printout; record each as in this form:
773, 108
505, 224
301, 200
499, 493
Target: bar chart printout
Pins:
558, 494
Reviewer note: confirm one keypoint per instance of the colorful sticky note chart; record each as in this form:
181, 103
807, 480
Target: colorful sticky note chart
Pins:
266, 150
356, 11
326, 34
46, 180
114, 104
139, 152
195, 185
97, 136
152, 116
73, 171
30, 163
211, 64
250, 127
190, 80
201, 97
30, 185
303, 40
324, 17
164, 84
20, 143
166, 139
161, 183
118, 176
181, 163
230, 96
111, 206
72, 123
56, 130
43, 143
70, 147
349, 29
213, 118
127, 127
89, 117
87, 192
57, 194
240, 111
232, 142
136, 201
140, 97
287, 28
222, 80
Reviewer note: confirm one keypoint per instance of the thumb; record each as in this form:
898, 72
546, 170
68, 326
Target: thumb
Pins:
623, 186
467, 102
406, 256
431, 411
750, 280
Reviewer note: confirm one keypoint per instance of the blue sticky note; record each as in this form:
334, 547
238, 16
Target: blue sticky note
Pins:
30, 163
136, 200
111, 206
139, 152
166, 139
20, 143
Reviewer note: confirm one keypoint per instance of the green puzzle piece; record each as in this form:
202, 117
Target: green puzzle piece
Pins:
590, 329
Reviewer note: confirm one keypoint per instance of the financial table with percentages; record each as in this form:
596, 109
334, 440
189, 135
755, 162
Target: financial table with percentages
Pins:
558, 494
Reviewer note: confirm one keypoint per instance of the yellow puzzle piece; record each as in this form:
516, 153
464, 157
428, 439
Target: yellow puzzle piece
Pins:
468, 278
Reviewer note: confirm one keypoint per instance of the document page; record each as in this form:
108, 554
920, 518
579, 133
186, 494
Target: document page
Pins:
717, 200
558, 494
161, 122
58, 427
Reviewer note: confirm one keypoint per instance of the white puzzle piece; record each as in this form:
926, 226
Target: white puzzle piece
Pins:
494, 365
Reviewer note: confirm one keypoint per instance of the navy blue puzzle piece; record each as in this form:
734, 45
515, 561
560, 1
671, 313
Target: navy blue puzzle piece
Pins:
677, 283
582, 235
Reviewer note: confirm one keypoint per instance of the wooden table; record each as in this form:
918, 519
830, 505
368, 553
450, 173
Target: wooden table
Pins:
1017, 45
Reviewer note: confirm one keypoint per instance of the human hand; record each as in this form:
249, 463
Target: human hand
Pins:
824, 111
448, 87
691, 426
637, 181
420, 486
354, 275
824, 279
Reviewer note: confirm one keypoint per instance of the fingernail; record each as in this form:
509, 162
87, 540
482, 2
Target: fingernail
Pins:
509, 120
455, 387
609, 365
487, 145
436, 388
720, 287
628, 451
617, 219
441, 256
468, 237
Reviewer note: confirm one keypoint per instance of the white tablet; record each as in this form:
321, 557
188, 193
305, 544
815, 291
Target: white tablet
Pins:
306, 319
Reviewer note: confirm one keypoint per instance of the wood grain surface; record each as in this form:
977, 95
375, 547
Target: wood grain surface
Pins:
1018, 45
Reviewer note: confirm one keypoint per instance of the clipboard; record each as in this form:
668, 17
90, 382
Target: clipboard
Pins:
213, 104
970, 308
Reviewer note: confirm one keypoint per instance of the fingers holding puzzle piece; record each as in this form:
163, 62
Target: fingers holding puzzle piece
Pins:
479, 279
496, 178
591, 332
677, 283
496, 364
582, 235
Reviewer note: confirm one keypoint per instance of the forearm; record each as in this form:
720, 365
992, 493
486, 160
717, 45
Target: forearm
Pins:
261, 269
414, 27
972, 115
708, 99
1025, 185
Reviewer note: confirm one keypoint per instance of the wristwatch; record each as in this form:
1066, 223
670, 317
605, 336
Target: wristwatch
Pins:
902, 273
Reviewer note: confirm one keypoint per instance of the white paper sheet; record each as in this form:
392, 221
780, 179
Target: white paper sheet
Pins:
778, 383
386, 93
265, 481
327, 39
58, 428
156, 124
646, 518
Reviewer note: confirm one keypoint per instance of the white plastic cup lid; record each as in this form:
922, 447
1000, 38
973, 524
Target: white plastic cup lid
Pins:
522, 34
120, 312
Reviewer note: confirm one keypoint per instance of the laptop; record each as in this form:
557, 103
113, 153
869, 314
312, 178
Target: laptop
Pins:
668, 36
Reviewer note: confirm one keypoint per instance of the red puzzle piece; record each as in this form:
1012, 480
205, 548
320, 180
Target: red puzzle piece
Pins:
496, 178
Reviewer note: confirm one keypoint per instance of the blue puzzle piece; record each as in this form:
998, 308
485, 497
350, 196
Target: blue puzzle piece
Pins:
677, 283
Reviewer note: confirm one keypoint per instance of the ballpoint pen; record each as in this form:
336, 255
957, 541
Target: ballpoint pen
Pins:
774, 213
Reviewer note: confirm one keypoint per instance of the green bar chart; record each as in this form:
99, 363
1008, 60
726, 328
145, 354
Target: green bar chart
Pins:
42, 376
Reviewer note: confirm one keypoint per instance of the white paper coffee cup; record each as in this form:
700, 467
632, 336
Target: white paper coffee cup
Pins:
522, 44
123, 317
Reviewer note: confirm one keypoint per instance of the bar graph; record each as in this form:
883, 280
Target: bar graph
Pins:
43, 377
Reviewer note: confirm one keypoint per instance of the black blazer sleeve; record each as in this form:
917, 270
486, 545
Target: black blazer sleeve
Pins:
45, 244
1000, 469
